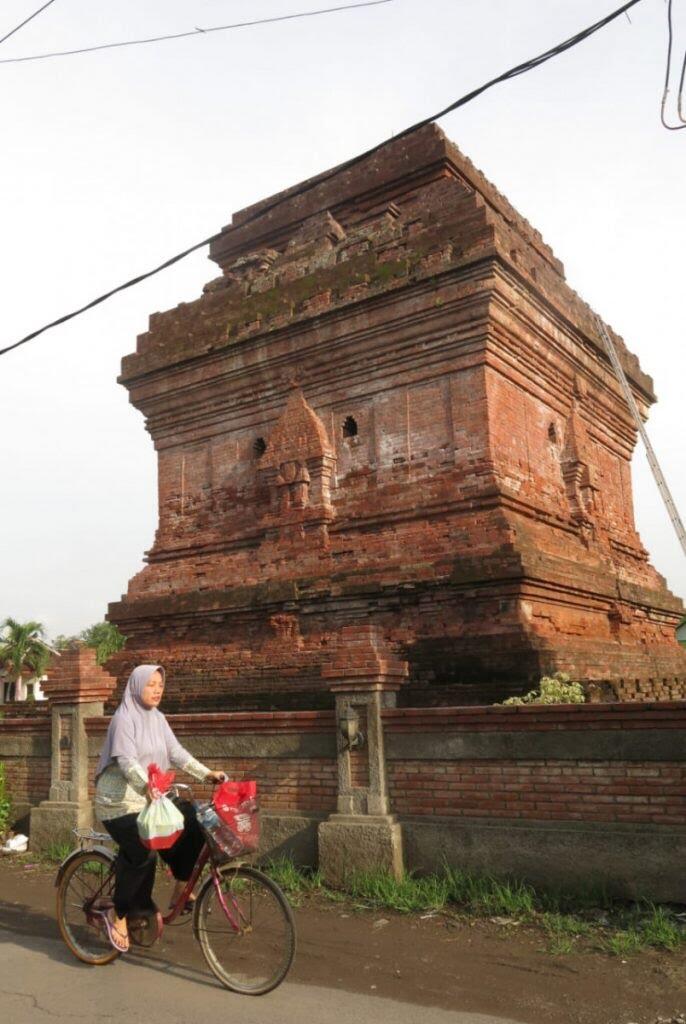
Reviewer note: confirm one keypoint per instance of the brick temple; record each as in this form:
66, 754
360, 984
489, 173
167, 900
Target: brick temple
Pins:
390, 410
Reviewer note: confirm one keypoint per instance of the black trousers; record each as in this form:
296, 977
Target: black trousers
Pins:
134, 868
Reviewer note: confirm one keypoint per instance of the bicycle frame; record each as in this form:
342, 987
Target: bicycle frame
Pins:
189, 887
234, 919
202, 860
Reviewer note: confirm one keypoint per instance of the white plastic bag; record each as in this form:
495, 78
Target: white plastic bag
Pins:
160, 824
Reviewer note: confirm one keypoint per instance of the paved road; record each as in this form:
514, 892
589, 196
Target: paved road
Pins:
40, 981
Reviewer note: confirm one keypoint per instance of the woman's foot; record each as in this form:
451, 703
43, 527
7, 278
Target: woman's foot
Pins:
117, 931
176, 896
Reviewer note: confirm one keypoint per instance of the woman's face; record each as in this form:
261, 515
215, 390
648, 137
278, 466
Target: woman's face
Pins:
153, 690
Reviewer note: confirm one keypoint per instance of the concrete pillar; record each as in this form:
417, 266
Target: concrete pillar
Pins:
77, 689
363, 835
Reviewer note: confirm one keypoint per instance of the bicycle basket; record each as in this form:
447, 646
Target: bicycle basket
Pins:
234, 837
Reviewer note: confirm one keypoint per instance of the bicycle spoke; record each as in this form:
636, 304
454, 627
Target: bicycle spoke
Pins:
87, 878
80, 886
250, 944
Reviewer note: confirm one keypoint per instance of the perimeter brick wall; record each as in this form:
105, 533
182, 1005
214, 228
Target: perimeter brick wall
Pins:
613, 763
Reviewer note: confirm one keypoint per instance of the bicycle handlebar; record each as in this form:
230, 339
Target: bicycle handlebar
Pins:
182, 785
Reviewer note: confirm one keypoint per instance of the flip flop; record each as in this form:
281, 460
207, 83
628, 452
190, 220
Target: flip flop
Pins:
187, 909
117, 938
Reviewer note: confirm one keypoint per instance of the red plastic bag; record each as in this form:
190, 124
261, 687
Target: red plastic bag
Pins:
231, 794
158, 780
236, 804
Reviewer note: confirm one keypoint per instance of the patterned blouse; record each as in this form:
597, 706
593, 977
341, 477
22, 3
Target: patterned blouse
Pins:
121, 788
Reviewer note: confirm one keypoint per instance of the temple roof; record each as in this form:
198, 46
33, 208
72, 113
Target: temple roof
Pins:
394, 170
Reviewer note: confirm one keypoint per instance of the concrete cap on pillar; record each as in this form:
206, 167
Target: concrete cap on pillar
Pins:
76, 678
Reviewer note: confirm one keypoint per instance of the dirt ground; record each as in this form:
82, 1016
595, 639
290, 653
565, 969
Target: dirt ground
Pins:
480, 967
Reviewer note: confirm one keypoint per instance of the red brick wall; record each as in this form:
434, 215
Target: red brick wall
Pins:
537, 717
291, 754
27, 774
562, 787
561, 790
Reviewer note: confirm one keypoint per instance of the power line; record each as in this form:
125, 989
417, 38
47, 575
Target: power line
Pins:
519, 69
668, 74
195, 32
26, 21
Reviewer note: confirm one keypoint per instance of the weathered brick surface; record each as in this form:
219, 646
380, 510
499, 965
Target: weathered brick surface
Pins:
75, 677
28, 780
644, 784
25, 754
564, 787
667, 715
542, 789
454, 467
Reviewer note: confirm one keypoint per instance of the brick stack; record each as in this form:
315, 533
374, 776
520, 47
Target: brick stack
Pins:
390, 408
76, 678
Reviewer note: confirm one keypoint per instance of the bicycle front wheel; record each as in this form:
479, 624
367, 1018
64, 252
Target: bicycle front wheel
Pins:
245, 930
86, 886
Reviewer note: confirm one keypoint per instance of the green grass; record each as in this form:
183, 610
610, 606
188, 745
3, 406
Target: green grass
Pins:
564, 931
572, 921
624, 943
380, 890
645, 926
661, 931
565, 924
295, 881
56, 852
486, 895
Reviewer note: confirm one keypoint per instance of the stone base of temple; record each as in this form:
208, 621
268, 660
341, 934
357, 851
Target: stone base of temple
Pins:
353, 843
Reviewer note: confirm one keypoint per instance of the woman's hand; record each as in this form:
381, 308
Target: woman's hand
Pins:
216, 777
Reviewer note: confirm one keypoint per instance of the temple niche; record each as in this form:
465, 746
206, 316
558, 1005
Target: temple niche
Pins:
391, 410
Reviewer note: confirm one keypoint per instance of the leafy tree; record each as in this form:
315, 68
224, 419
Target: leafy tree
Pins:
62, 642
22, 649
105, 638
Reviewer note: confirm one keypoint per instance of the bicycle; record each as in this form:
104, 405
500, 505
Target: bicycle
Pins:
241, 918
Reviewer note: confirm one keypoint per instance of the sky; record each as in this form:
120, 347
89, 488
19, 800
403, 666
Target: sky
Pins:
111, 162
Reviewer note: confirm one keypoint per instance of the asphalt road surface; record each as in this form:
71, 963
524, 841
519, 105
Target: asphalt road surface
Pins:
41, 981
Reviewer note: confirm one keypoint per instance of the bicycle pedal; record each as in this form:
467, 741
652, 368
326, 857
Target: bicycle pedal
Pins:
145, 928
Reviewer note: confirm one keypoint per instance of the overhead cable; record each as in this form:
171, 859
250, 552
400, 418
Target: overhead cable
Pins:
194, 32
668, 75
519, 69
26, 21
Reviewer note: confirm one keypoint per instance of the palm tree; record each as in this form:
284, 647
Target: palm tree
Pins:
22, 648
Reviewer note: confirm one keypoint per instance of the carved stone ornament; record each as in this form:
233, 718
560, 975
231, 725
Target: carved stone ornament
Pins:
298, 464
578, 471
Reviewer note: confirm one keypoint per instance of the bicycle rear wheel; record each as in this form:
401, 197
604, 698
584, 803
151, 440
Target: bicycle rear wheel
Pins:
248, 936
86, 885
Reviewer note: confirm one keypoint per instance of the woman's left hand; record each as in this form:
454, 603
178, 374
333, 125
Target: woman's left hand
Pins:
216, 777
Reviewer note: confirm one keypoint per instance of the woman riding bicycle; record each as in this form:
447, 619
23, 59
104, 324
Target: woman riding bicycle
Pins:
139, 735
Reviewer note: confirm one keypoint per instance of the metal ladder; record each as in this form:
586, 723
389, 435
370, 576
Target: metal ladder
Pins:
652, 457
